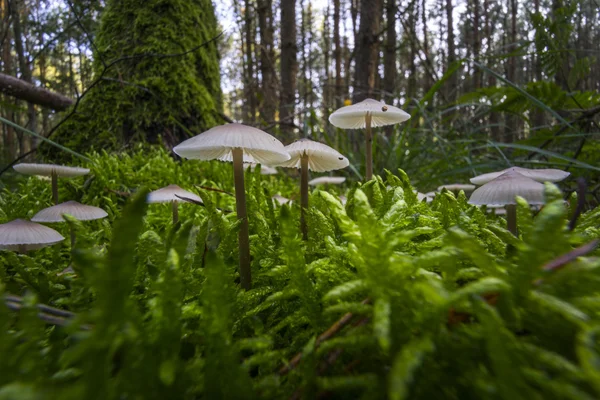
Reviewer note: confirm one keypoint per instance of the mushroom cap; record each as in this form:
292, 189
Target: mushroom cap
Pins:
264, 169
28, 235
540, 175
353, 116
503, 190
324, 180
47, 170
457, 186
79, 211
217, 143
280, 199
168, 194
321, 158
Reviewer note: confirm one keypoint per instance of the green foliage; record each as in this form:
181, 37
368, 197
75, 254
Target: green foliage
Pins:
143, 91
444, 301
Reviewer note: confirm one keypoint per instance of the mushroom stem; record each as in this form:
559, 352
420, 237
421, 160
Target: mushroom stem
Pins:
22, 249
304, 194
55, 187
175, 212
369, 149
240, 203
511, 218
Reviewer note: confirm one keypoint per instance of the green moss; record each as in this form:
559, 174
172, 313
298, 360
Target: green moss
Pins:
142, 97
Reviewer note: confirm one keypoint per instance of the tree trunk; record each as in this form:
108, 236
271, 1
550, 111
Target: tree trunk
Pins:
389, 55
427, 79
267, 62
289, 67
476, 44
491, 80
327, 86
337, 55
250, 87
9, 133
451, 57
367, 47
23, 90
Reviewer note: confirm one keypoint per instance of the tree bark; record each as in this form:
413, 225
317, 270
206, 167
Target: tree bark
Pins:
23, 90
389, 55
337, 55
289, 67
476, 44
451, 57
10, 137
367, 46
267, 62
250, 87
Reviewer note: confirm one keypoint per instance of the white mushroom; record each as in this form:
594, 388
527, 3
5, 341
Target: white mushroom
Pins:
22, 236
457, 187
327, 180
503, 190
366, 114
237, 143
79, 211
309, 155
169, 194
540, 175
53, 171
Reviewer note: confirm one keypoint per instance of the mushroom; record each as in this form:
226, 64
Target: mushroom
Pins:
280, 199
309, 155
237, 143
264, 169
327, 180
54, 171
366, 114
502, 192
77, 210
457, 187
540, 175
173, 194
22, 236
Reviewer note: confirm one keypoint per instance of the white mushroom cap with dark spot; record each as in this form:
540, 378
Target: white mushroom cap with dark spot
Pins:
79, 211
324, 180
170, 193
321, 158
503, 190
47, 170
25, 235
540, 175
353, 116
457, 186
217, 143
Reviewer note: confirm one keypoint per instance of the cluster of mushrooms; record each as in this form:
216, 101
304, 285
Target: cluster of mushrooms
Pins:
22, 235
241, 144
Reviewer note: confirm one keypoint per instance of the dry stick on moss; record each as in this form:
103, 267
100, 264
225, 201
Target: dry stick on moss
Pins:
333, 329
51, 315
216, 190
224, 210
581, 189
563, 260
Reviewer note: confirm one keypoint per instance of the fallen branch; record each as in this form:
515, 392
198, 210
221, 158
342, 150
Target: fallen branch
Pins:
23, 90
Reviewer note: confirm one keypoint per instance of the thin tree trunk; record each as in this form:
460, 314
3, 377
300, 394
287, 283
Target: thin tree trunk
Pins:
424, 22
10, 138
389, 55
250, 88
289, 67
337, 54
476, 44
451, 57
267, 62
491, 80
367, 47
327, 89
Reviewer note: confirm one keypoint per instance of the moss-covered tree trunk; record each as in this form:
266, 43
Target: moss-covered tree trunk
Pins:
154, 93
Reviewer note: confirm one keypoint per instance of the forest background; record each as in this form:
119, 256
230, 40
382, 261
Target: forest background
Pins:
489, 83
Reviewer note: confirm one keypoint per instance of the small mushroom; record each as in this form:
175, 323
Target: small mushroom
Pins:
169, 194
309, 155
236, 143
327, 180
366, 114
22, 236
540, 175
502, 192
53, 171
264, 169
457, 187
77, 210
280, 199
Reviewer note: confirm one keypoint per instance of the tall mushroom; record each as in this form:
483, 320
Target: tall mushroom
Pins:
236, 143
502, 192
540, 175
367, 114
309, 155
172, 194
54, 171
22, 236
77, 210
